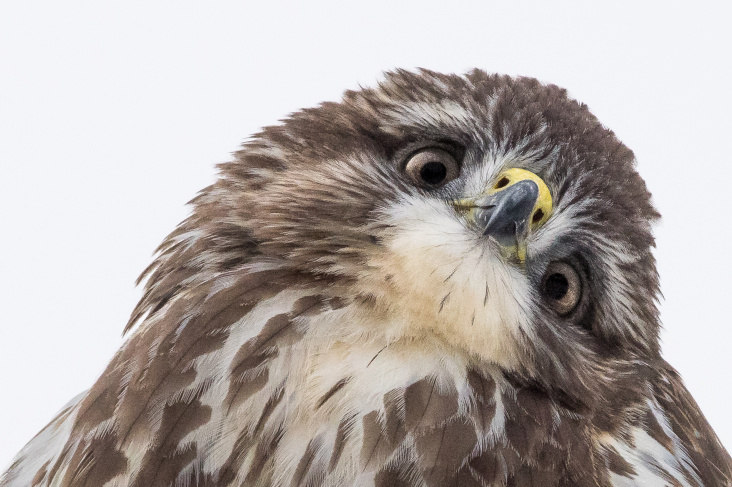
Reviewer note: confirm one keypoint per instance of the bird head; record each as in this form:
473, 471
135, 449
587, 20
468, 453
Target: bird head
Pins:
483, 216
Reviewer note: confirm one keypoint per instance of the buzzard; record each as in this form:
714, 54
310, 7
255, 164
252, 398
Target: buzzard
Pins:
441, 281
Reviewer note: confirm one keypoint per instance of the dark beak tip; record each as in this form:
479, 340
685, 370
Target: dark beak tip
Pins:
509, 212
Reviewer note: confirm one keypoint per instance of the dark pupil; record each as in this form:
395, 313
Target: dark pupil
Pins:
433, 172
556, 286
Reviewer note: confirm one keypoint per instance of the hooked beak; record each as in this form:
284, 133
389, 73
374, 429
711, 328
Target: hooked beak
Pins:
517, 203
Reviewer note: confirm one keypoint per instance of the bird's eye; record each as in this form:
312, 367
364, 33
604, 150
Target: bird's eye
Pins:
561, 287
432, 167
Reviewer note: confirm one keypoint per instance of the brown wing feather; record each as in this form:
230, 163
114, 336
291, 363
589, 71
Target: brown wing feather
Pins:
150, 372
431, 442
711, 460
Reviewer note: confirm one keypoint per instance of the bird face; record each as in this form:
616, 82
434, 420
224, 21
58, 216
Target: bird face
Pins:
458, 261
484, 217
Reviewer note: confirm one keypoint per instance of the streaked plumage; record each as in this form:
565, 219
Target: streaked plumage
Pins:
322, 320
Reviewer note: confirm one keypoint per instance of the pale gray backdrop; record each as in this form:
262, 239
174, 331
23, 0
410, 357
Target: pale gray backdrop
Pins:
113, 114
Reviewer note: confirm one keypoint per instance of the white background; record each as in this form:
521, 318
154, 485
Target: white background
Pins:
113, 114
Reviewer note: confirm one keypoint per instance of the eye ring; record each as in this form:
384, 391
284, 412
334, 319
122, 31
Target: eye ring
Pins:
432, 167
561, 287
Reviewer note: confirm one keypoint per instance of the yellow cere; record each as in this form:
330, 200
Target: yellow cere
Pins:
540, 214
543, 202
506, 179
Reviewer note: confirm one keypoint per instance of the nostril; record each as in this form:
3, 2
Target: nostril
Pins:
538, 215
501, 183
